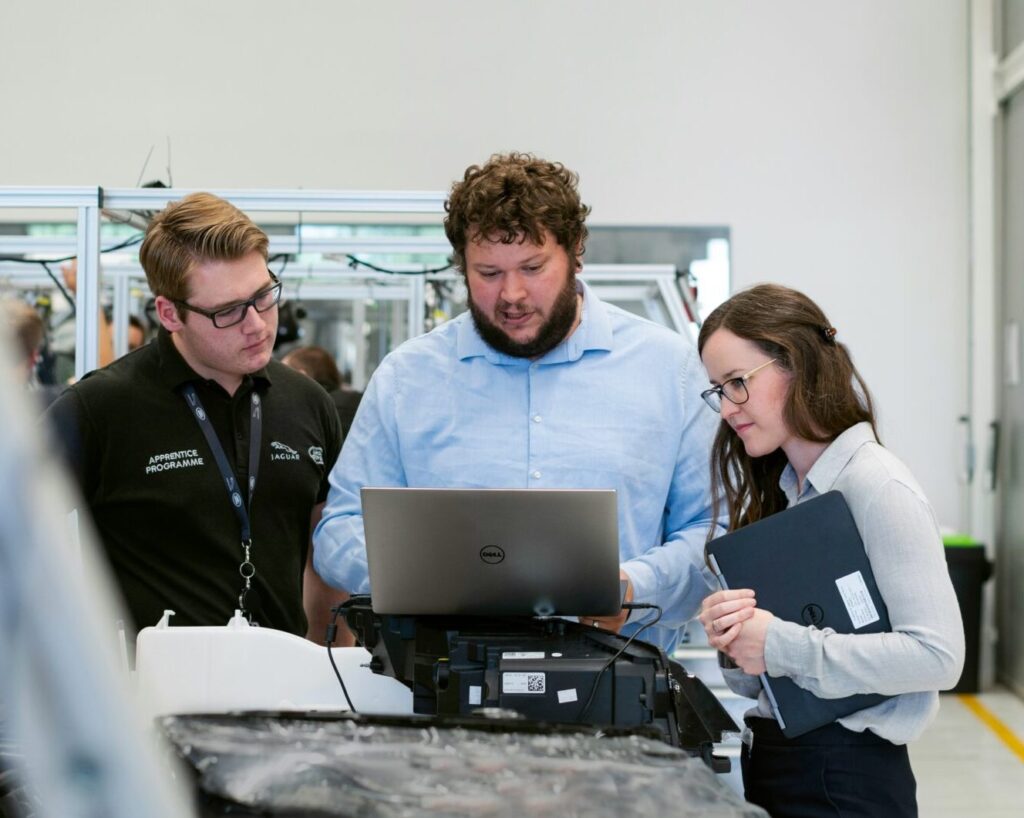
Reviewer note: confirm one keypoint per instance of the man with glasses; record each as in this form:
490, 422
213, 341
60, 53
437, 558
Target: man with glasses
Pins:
203, 461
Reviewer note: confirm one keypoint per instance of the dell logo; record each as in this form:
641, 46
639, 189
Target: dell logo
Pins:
492, 554
812, 614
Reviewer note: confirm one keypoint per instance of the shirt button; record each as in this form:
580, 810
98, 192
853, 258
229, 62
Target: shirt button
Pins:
537, 418
535, 475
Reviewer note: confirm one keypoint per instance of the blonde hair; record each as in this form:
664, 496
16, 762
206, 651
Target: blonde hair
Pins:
201, 227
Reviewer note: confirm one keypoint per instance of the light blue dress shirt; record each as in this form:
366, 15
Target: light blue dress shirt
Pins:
616, 406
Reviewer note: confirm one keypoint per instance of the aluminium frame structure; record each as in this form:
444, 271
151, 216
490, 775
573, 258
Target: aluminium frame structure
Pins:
654, 286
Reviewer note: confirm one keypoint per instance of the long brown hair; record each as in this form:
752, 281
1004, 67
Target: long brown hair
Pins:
826, 394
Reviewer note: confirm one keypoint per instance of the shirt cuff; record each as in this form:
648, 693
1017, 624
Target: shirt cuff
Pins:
787, 650
641, 577
741, 684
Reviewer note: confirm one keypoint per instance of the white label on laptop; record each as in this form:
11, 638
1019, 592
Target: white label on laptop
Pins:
566, 696
857, 600
522, 683
523, 654
475, 694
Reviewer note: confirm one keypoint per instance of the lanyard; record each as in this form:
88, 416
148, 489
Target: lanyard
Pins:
242, 509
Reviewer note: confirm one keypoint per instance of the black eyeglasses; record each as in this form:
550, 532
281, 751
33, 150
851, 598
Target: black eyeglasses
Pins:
235, 314
734, 389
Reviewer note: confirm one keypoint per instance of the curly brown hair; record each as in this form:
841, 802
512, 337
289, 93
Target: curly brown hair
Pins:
826, 393
516, 196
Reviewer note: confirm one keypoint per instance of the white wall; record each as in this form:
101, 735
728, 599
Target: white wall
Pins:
830, 135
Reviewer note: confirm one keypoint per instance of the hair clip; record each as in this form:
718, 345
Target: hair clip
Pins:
829, 334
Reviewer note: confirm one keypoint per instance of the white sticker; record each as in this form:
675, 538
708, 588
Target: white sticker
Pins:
475, 694
522, 683
857, 600
524, 654
566, 696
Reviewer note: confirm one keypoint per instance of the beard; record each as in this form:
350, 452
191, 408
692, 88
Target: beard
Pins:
551, 333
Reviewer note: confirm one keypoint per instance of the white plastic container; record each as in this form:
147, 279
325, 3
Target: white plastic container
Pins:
241, 667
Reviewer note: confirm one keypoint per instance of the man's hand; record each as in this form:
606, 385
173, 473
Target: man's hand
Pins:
318, 598
612, 623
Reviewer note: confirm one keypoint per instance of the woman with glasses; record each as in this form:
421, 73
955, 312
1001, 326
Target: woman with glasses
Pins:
798, 421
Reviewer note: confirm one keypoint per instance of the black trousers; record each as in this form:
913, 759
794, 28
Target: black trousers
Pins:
830, 771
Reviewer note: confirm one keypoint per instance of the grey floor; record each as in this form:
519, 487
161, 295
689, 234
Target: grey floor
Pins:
964, 767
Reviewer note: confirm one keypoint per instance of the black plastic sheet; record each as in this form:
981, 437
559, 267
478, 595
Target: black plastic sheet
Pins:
392, 768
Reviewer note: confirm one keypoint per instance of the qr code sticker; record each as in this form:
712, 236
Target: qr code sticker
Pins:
523, 683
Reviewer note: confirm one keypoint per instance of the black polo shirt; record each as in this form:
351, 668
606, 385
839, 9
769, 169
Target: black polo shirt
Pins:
346, 401
157, 498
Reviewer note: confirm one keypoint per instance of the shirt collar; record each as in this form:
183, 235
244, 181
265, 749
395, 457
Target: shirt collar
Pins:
593, 333
830, 463
175, 371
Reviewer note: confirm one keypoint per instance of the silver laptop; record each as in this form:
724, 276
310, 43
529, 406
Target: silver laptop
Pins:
492, 552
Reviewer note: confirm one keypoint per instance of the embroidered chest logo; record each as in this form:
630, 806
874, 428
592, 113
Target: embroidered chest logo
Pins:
282, 452
316, 454
181, 459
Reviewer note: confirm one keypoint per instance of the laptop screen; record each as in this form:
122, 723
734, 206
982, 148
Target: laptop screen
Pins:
492, 552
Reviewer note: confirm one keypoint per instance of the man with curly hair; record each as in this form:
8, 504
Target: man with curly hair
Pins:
539, 385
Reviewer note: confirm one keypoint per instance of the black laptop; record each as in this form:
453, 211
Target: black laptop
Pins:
807, 565
492, 552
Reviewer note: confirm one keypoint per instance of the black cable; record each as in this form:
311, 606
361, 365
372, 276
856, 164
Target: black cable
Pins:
332, 632
44, 261
629, 606
277, 257
63, 291
354, 262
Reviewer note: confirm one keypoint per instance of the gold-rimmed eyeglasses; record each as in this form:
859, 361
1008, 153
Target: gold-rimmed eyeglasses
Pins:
734, 389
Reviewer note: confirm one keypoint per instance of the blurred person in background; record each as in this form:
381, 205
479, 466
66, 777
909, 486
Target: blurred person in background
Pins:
24, 326
317, 363
63, 335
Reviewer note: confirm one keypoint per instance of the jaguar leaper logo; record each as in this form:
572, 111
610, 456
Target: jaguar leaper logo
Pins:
282, 452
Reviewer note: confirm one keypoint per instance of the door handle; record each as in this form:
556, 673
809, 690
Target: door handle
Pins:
993, 455
967, 475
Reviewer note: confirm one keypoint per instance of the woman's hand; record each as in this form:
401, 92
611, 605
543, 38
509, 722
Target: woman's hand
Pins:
746, 648
723, 613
